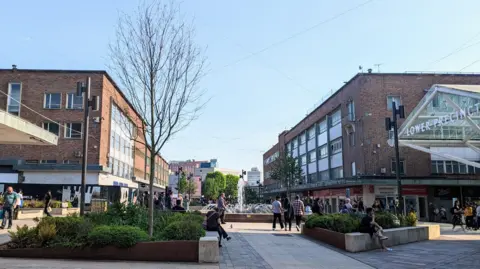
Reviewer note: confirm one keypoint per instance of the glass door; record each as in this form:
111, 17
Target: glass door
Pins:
411, 204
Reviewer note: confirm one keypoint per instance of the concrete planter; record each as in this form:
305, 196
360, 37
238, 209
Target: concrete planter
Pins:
358, 242
244, 217
30, 213
167, 251
64, 211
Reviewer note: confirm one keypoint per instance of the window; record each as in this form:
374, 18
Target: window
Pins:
324, 175
354, 169
311, 178
74, 101
312, 156
448, 167
336, 117
351, 137
311, 133
438, 167
322, 127
295, 143
391, 134
52, 127
323, 151
337, 172
71, 162
336, 146
31, 162
14, 98
402, 167
303, 139
303, 159
73, 130
351, 111
53, 100
48, 161
396, 99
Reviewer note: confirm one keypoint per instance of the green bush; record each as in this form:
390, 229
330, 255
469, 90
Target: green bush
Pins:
119, 236
182, 230
387, 220
24, 237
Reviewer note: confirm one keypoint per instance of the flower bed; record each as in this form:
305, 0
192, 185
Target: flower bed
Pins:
342, 230
119, 230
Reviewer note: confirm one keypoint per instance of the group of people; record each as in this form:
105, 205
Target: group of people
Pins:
467, 217
294, 210
12, 201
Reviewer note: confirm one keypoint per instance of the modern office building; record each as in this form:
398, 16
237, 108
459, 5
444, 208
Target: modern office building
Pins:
254, 177
116, 151
344, 149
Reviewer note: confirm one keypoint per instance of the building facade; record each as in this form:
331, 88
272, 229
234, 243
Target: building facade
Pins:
344, 150
254, 177
188, 166
116, 151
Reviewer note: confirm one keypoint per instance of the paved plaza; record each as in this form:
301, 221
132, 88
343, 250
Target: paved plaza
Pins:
255, 245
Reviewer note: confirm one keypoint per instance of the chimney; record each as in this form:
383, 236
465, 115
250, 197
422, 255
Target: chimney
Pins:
14, 67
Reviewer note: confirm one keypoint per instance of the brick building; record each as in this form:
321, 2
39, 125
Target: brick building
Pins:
344, 149
116, 151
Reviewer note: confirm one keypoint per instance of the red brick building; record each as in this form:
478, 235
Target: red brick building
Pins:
116, 158
343, 150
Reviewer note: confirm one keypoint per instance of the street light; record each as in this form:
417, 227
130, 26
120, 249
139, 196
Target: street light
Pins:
94, 103
389, 124
259, 191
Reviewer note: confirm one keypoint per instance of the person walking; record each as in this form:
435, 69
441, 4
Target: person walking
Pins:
221, 207
10, 202
47, 199
457, 216
299, 211
288, 214
277, 212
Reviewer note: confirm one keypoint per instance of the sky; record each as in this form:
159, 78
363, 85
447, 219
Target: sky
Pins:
302, 50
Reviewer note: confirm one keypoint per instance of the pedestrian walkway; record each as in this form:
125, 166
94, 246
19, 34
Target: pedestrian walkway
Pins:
255, 245
4, 237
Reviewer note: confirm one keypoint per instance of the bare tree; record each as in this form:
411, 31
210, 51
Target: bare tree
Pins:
159, 66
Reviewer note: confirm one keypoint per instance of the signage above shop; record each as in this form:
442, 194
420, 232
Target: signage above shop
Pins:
443, 120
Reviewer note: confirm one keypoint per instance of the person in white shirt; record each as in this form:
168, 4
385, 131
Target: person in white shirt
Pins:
277, 212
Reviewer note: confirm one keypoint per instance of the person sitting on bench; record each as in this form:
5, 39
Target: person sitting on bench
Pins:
368, 225
178, 207
213, 225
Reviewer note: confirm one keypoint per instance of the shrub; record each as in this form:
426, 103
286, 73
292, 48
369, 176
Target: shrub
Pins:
33, 204
387, 220
56, 204
342, 223
46, 232
182, 230
24, 237
119, 236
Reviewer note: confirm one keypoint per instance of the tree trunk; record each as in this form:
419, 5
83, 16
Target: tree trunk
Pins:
150, 199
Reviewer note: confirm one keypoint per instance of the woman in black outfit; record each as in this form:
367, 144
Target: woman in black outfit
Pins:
457, 212
316, 206
288, 214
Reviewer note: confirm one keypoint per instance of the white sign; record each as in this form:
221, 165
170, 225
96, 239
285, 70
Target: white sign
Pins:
443, 120
385, 190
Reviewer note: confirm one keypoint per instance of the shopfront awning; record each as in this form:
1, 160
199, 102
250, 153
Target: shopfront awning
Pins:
447, 116
15, 130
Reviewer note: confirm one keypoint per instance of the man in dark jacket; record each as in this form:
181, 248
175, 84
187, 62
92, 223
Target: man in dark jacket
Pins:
214, 225
48, 198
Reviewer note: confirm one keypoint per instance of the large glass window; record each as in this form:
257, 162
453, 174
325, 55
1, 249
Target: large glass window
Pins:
121, 146
337, 172
323, 151
311, 133
324, 175
303, 159
351, 111
336, 118
52, 127
322, 127
336, 146
53, 101
303, 139
74, 101
312, 156
14, 98
295, 143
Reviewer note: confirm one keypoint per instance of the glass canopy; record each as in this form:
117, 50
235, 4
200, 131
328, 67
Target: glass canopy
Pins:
445, 113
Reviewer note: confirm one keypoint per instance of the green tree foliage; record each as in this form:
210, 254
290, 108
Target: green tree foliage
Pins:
220, 183
251, 196
182, 184
287, 172
191, 187
231, 188
210, 190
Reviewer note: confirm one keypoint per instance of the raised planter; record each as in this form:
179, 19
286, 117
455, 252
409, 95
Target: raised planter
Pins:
358, 242
30, 213
64, 211
168, 251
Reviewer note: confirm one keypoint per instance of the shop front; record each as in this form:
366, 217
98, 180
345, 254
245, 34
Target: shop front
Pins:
334, 199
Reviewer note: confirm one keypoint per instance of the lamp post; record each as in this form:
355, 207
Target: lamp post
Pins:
83, 88
389, 124
259, 191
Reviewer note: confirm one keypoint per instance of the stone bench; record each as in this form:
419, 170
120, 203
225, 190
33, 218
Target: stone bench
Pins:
357, 242
208, 249
211, 234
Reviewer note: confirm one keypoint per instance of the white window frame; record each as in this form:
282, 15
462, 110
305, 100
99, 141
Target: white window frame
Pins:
303, 138
311, 133
336, 118
354, 169
67, 100
393, 98
402, 163
48, 127
9, 99
49, 95
336, 146
322, 156
68, 130
310, 159
303, 159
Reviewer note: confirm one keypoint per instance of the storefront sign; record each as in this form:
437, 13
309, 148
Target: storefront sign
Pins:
415, 190
385, 190
443, 120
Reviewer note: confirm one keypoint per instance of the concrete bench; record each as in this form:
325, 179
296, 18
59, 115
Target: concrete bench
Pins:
208, 249
357, 242
211, 234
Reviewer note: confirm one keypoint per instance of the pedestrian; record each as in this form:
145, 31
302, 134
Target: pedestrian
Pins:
288, 214
368, 225
19, 204
277, 212
457, 214
299, 211
47, 199
10, 202
347, 207
212, 224
316, 206
178, 207
221, 204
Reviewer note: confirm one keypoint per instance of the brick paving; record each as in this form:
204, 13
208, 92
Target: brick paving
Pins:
238, 253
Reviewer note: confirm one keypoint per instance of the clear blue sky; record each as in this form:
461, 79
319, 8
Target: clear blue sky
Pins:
254, 100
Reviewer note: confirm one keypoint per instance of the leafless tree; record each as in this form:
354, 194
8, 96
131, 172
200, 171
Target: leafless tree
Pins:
159, 67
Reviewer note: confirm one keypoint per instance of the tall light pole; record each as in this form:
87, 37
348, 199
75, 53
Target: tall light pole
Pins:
389, 124
83, 88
